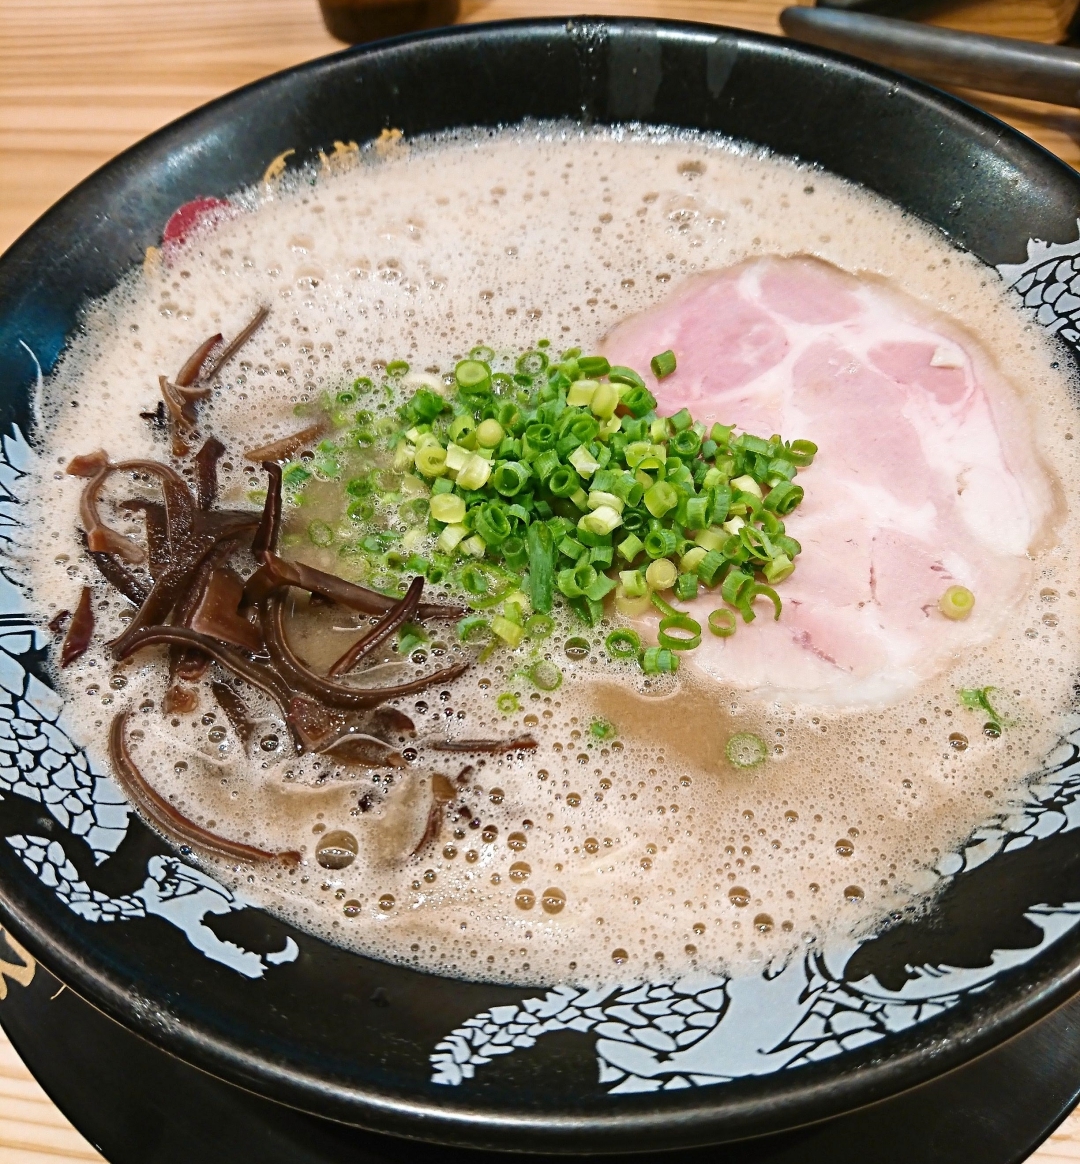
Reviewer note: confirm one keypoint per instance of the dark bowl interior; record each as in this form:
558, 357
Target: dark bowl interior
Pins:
347, 1037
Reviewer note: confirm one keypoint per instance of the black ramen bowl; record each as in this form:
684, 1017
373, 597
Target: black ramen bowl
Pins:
135, 929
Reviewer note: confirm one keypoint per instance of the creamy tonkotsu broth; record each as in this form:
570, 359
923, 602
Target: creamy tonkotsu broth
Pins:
643, 851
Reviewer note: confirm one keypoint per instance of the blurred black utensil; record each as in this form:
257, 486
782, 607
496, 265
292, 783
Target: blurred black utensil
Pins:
994, 64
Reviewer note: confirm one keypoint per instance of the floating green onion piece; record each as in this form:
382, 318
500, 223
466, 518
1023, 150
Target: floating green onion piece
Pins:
663, 364
509, 478
360, 511
574, 581
697, 513
737, 588
802, 453
722, 622
397, 368
664, 607
425, 405
604, 401
599, 588
978, 699
601, 521
638, 401
539, 626
660, 498
623, 644
764, 592
564, 482
473, 377
601, 729
593, 366
508, 631
659, 543
685, 443
744, 750
491, 523
682, 419
621, 375
515, 553
630, 547
956, 603
448, 507
688, 636
295, 475
633, 583
661, 574
508, 703
783, 498
779, 568
475, 580
461, 429
489, 434
686, 586
541, 547
431, 460
658, 661
320, 534
474, 628
532, 363
545, 675
540, 437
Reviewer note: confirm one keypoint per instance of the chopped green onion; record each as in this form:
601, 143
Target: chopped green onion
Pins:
631, 605
397, 368
508, 631
431, 460
602, 520
541, 546
660, 498
744, 750
601, 729
623, 644
663, 364
532, 363
489, 434
659, 543
783, 498
515, 553
630, 547
509, 478
722, 622
634, 584
473, 377
604, 401
475, 473
492, 524
320, 534
661, 574
539, 626
620, 375
474, 628
956, 603
593, 366
563, 482
581, 393
658, 661
638, 401
688, 638
448, 507
686, 587
545, 675
802, 453
508, 703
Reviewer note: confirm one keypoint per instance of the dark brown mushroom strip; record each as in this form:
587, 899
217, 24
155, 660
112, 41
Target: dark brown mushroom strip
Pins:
181, 409
183, 662
99, 537
276, 572
395, 617
189, 373
236, 710
115, 572
389, 719
235, 344
283, 449
311, 723
206, 480
80, 630
157, 531
266, 536
217, 611
168, 819
179, 503
88, 465
357, 747
492, 747
442, 793
257, 674
297, 675
58, 621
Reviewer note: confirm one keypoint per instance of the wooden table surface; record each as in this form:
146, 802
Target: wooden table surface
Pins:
82, 79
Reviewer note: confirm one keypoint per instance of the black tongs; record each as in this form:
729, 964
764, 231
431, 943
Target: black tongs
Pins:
993, 64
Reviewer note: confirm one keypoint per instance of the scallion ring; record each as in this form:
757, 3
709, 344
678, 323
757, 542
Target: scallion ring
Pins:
722, 622
744, 749
545, 675
474, 629
956, 603
623, 644
688, 636
539, 626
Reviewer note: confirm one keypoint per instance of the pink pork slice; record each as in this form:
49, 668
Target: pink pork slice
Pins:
926, 475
